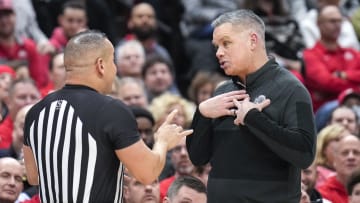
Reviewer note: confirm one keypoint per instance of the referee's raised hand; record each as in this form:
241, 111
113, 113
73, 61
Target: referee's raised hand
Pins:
169, 133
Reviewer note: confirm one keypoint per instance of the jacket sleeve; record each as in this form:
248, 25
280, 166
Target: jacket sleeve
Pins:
293, 141
199, 143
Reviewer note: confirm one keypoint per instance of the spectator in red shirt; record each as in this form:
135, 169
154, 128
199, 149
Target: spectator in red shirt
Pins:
56, 75
330, 68
71, 20
12, 49
21, 93
182, 164
346, 162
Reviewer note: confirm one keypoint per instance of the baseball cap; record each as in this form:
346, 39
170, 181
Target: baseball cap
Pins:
6, 5
354, 92
7, 69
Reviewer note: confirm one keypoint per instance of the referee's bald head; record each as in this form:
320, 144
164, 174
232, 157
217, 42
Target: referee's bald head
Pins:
83, 49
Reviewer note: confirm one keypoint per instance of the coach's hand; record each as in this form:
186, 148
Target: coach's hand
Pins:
221, 105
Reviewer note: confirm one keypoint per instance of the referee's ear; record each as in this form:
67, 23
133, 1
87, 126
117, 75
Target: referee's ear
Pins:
99, 65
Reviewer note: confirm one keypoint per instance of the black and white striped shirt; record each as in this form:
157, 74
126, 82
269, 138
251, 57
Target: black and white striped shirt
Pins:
73, 134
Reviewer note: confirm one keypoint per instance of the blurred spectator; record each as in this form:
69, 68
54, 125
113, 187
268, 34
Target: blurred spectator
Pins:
349, 97
11, 179
130, 58
330, 68
22, 49
26, 24
71, 20
327, 142
311, 32
353, 187
346, 117
136, 192
145, 122
203, 85
282, 34
143, 26
308, 178
15, 149
346, 162
186, 189
181, 162
21, 93
158, 76
57, 74
131, 91
7, 75
167, 102
197, 31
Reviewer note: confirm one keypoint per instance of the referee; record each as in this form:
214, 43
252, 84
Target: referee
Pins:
77, 141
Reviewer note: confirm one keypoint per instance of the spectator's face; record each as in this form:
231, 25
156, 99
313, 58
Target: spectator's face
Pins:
329, 151
345, 117
347, 156
5, 82
234, 47
58, 72
143, 21
73, 21
158, 78
11, 184
308, 176
136, 192
204, 92
7, 23
355, 195
130, 62
22, 95
329, 23
186, 194
180, 159
18, 133
145, 128
133, 94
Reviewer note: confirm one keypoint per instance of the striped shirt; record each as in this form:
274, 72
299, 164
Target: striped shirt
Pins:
73, 134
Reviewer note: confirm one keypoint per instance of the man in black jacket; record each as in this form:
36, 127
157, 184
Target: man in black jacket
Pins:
256, 149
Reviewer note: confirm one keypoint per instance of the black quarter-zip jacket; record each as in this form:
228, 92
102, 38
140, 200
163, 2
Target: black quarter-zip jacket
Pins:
261, 160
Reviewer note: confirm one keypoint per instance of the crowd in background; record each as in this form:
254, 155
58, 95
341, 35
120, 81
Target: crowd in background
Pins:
165, 60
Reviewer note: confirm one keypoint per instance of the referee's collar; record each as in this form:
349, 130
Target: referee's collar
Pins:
73, 86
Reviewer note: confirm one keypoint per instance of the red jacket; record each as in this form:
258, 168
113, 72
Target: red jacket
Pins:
26, 50
334, 191
321, 65
6, 129
58, 39
164, 186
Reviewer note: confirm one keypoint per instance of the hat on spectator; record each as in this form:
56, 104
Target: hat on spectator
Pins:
350, 92
7, 69
6, 5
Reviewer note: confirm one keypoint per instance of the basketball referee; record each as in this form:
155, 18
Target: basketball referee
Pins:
77, 141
